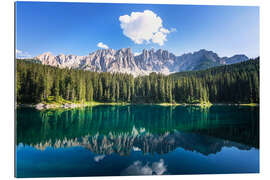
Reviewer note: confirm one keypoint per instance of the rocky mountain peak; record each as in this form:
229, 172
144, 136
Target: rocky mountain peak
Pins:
240, 56
104, 52
236, 59
124, 61
45, 55
125, 51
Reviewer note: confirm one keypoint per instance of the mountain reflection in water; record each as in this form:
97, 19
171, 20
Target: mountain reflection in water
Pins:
106, 130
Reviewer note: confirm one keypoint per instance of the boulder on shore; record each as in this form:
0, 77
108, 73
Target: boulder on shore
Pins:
40, 106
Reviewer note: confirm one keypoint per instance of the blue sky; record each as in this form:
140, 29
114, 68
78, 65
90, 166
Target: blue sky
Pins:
77, 28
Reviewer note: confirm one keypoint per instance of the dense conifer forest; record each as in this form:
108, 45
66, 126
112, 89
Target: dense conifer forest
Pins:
237, 83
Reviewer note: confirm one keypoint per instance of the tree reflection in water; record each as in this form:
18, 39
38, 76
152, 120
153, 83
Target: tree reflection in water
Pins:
151, 129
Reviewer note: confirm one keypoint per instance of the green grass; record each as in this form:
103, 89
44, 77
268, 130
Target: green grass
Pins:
169, 104
205, 104
51, 100
60, 101
250, 104
195, 103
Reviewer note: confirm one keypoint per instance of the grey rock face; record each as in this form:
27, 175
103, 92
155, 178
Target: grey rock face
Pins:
124, 61
236, 59
160, 61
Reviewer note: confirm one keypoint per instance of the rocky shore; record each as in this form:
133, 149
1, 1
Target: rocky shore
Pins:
42, 106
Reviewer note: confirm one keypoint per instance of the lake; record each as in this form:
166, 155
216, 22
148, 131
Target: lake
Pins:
137, 140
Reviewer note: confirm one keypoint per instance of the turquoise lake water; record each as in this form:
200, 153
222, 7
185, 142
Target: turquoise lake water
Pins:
137, 140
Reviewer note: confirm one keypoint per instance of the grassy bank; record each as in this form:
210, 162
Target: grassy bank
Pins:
195, 103
53, 103
250, 104
61, 101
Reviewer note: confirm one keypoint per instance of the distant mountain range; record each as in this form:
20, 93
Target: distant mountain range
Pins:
124, 61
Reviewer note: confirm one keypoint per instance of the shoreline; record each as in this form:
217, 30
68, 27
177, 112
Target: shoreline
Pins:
45, 106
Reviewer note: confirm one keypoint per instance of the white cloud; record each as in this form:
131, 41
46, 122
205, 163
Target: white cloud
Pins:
143, 27
136, 149
137, 168
99, 158
159, 167
165, 31
136, 53
21, 55
18, 51
159, 38
101, 45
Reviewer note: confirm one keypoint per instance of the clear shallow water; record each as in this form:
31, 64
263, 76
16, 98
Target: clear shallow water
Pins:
137, 140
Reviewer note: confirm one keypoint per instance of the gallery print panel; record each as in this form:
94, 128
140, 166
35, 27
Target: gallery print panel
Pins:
107, 89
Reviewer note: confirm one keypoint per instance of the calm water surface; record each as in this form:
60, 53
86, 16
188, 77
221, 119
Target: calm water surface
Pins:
137, 140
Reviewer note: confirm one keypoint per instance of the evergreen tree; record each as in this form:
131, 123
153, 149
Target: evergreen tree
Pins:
237, 83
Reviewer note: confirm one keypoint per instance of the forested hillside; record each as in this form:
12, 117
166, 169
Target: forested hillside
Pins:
237, 83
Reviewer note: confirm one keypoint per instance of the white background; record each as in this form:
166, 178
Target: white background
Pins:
7, 89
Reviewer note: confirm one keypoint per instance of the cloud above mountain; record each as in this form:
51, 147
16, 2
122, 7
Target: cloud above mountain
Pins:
103, 46
143, 27
18, 51
136, 53
21, 54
